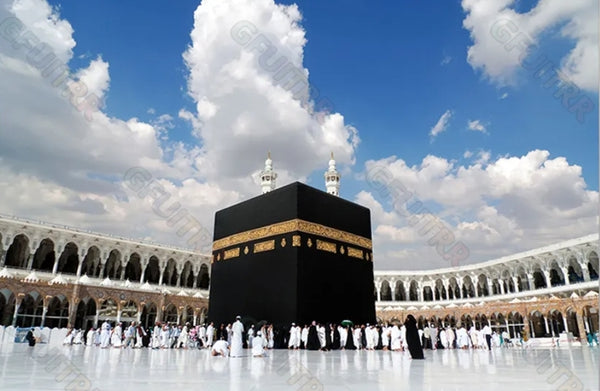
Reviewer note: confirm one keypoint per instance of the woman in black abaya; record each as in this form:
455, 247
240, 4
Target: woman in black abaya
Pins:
412, 338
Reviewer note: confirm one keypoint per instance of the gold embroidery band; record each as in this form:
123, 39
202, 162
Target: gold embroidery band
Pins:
354, 252
233, 253
326, 246
264, 246
295, 225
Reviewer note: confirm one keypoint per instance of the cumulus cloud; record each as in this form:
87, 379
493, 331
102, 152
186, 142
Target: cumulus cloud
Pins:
441, 124
251, 90
494, 206
500, 36
61, 164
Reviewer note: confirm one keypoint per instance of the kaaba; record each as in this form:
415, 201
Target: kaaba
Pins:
294, 254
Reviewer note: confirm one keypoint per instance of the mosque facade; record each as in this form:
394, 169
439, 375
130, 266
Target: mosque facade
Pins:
55, 276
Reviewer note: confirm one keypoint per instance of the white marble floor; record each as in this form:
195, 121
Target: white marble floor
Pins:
81, 368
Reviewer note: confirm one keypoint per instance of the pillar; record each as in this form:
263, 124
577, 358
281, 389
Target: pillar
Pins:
393, 286
546, 324
585, 270
580, 327
547, 277
530, 281
118, 315
565, 323
55, 266
2, 258
447, 292
531, 329
501, 283
17, 305
30, 260
44, 312
143, 275
516, 284
565, 272
160, 279
420, 292
96, 318
79, 267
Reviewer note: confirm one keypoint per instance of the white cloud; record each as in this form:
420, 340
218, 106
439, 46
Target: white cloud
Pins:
494, 206
57, 165
242, 111
441, 124
504, 96
476, 126
446, 60
499, 58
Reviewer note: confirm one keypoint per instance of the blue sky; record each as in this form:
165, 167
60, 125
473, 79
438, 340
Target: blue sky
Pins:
392, 70
384, 68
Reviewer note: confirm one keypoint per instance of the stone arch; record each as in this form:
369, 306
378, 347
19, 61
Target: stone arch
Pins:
129, 311
7, 307
86, 314
170, 273
57, 314
30, 311
18, 252
413, 294
44, 256
539, 281
515, 324
386, 291
466, 321
133, 268
480, 321
574, 271
427, 293
495, 286
68, 262
453, 288
149, 314
590, 319
187, 276
468, 290
494, 324
592, 265
108, 310
112, 268
440, 291
482, 285
523, 280
509, 285
555, 323
501, 319
538, 324
152, 271
450, 320
203, 277
188, 315
89, 265
556, 275
572, 324
170, 314
399, 292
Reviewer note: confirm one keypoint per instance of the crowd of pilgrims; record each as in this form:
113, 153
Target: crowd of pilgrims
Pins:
232, 338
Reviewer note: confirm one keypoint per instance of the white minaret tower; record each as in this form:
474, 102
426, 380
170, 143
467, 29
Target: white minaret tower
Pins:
268, 176
332, 179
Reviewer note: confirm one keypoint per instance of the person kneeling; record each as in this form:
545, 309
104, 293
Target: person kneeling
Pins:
220, 348
257, 346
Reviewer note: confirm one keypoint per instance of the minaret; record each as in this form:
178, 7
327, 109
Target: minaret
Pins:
268, 176
332, 179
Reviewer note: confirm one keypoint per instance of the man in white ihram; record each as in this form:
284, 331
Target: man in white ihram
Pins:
220, 348
237, 348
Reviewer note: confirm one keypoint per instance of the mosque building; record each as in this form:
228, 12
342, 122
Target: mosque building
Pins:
55, 276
